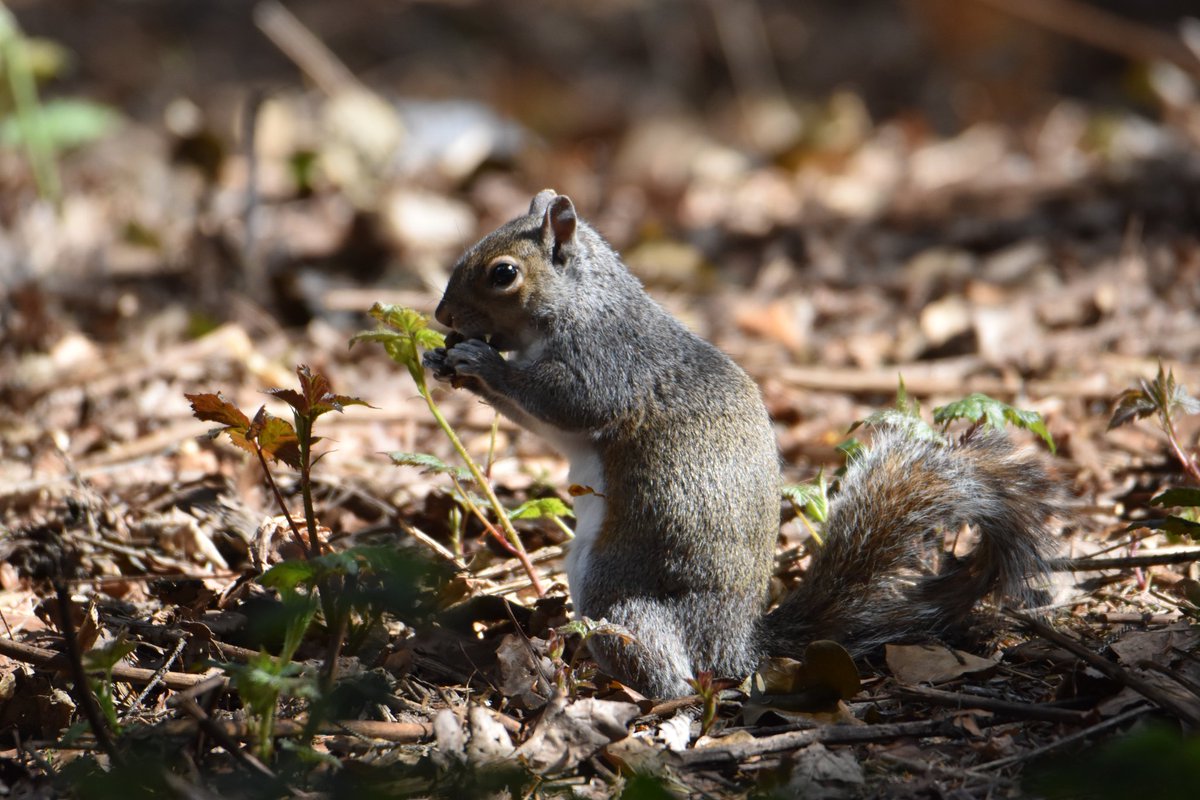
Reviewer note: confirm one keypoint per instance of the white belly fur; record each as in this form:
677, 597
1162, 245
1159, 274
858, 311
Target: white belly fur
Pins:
585, 470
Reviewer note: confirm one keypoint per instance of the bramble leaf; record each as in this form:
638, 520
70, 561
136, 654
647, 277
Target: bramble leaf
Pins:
287, 575
103, 659
852, 450
541, 507
1131, 404
215, 408
1180, 496
1162, 396
409, 335
276, 437
316, 396
810, 498
979, 408
1172, 524
431, 465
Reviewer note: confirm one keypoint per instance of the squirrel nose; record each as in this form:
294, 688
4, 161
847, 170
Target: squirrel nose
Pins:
443, 315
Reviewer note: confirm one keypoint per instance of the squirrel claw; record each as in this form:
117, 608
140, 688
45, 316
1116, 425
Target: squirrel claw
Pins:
435, 361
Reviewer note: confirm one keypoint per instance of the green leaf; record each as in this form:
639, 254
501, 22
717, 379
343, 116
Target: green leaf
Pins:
852, 450
1162, 396
285, 576
1181, 496
913, 427
979, 408
431, 465
810, 498
64, 123
1172, 524
410, 335
904, 415
276, 437
541, 507
103, 659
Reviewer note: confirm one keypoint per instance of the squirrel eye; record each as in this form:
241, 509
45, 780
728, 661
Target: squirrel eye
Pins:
502, 274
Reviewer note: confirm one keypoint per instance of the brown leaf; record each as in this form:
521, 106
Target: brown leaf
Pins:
570, 733
215, 408
928, 663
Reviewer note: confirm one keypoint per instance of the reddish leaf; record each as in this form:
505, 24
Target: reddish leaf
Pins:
277, 438
215, 408
292, 398
316, 396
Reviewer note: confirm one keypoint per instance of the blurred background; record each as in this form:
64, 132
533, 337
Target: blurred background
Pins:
953, 187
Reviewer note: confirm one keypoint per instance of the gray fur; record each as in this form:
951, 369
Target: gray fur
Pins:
684, 551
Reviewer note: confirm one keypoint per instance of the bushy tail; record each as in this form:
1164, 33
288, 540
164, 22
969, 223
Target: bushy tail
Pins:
882, 574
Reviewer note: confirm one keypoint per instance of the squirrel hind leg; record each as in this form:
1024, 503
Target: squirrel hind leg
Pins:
651, 659
668, 640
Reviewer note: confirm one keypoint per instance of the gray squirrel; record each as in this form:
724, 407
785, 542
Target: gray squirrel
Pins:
675, 541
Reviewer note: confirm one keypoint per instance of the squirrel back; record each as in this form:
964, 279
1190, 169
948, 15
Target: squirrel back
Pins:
675, 541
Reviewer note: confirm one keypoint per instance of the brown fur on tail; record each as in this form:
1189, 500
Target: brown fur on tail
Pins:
877, 579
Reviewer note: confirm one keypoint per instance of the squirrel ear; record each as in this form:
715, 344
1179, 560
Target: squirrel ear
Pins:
541, 201
558, 227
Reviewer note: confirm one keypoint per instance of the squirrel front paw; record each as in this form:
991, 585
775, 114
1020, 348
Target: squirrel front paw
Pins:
465, 364
474, 358
435, 361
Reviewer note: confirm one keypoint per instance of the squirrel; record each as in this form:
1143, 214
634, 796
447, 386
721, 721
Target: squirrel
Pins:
674, 543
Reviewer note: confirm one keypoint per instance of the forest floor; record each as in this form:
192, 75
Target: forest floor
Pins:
1051, 264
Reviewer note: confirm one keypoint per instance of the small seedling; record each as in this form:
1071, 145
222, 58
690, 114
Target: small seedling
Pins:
405, 335
709, 695
1165, 399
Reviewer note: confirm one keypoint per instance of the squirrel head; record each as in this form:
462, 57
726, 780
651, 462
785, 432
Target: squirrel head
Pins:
506, 283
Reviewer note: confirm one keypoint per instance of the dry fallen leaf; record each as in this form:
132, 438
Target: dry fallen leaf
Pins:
569, 733
930, 663
818, 772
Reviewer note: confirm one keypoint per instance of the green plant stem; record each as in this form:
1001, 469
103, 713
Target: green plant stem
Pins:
488, 527
562, 526
336, 642
811, 530
304, 436
279, 499
509, 531
1188, 463
491, 455
28, 110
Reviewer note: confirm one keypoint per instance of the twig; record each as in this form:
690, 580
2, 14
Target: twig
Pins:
937, 379
1103, 30
29, 654
833, 734
304, 49
398, 732
252, 266
1125, 562
222, 737
959, 700
1037, 752
79, 681
1135, 618
1146, 689
434, 545
157, 677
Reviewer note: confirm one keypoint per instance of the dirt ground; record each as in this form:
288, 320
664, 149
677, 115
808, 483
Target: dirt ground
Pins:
205, 195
